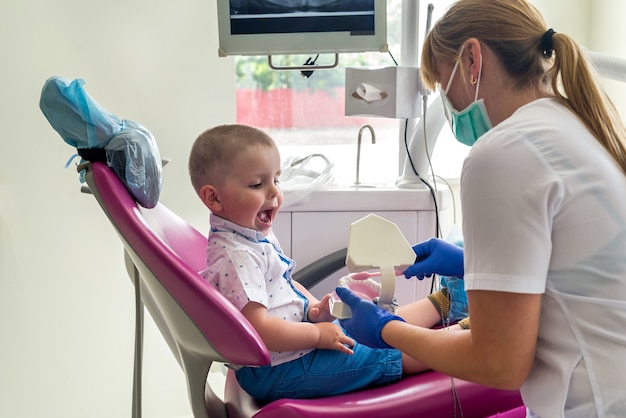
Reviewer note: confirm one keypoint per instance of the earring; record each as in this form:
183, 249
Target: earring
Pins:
472, 80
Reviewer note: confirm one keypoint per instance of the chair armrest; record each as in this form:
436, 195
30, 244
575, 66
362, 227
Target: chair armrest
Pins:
321, 268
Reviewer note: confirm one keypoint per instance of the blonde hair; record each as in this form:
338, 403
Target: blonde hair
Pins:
513, 30
214, 150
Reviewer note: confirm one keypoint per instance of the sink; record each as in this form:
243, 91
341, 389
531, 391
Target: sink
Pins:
363, 186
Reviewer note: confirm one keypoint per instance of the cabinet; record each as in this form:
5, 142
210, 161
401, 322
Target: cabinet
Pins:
319, 226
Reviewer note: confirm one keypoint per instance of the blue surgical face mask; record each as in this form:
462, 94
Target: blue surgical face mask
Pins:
470, 123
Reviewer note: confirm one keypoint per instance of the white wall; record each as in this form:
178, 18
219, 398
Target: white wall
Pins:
608, 35
66, 304
597, 25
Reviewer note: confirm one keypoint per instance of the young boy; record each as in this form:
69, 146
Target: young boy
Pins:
235, 171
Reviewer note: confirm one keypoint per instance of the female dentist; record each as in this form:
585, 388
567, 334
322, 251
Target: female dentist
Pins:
543, 192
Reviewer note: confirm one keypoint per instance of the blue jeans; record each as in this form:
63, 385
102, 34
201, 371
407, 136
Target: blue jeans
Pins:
322, 373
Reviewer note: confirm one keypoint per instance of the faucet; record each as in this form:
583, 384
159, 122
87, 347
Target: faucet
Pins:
358, 149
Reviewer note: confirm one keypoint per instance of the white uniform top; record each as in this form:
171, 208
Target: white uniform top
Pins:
246, 266
544, 212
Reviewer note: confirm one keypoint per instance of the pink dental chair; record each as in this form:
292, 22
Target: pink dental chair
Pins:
163, 255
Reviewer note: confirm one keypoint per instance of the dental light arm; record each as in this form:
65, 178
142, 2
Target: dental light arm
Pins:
609, 66
422, 139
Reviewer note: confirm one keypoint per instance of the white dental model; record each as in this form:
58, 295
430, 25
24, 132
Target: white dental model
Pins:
374, 243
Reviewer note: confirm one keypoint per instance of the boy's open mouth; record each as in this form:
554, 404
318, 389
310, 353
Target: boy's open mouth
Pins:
265, 217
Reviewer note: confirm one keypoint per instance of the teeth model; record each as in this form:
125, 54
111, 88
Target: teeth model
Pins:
374, 243
362, 285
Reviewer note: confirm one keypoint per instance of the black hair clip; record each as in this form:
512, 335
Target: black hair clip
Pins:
546, 43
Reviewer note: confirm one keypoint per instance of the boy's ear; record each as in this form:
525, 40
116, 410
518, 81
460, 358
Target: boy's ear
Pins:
208, 195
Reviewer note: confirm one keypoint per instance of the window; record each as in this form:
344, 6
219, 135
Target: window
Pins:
305, 115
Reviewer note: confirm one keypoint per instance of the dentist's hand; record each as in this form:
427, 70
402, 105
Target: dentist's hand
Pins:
436, 256
367, 320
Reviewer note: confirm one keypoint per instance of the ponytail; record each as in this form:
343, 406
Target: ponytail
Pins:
516, 32
574, 83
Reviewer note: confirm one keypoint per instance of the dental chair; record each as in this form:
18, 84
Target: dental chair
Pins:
163, 255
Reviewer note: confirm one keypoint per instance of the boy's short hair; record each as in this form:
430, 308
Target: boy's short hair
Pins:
213, 152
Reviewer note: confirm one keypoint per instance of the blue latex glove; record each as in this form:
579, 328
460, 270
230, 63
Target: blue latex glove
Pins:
436, 256
367, 320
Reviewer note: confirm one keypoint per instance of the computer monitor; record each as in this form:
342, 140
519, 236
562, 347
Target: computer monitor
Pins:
284, 27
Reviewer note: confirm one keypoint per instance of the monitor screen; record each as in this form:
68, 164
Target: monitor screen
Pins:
282, 27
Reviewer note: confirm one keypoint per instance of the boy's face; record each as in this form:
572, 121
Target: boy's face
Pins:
250, 195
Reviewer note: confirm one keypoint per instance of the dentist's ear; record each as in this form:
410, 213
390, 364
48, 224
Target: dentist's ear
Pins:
209, 196
473, 53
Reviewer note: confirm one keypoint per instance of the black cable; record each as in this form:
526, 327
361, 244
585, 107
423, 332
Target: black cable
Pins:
430, 163
432, 191
393, 59
408, 155
309, 61
451, 195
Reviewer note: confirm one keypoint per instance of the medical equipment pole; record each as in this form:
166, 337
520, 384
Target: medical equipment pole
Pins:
422, 136
409, 40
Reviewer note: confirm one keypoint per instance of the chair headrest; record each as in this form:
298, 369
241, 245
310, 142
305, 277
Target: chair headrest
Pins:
126, 146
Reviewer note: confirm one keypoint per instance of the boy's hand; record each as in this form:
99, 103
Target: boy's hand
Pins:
333, 338
320, 312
